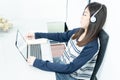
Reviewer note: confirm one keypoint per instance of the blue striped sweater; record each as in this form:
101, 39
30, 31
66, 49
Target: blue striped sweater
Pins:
78, 61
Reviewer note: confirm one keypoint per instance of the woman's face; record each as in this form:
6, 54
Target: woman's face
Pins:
85, 19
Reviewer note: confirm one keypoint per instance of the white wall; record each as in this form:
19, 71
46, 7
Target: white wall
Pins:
110, 68
74, 11
24, 12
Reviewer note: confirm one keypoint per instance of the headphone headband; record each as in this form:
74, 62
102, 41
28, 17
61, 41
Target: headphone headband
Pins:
93, 18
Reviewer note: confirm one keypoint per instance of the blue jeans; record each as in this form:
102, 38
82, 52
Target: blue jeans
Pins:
62, 76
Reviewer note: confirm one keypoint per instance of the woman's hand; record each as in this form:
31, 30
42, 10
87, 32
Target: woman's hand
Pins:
30, 36
31, 60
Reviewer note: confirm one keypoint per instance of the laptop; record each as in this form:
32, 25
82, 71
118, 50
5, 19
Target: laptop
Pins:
28, 48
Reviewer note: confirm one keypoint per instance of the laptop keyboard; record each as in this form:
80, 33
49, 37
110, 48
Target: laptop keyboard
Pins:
35, 50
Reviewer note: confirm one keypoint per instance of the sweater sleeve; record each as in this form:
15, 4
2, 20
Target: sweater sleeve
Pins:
61, 37
87, 53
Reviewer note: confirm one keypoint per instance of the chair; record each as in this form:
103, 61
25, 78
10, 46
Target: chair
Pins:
103, 36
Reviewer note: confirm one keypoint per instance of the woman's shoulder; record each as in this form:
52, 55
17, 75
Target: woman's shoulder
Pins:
94, 43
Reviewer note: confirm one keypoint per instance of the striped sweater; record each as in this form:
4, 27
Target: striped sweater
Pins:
78, 61
72, 51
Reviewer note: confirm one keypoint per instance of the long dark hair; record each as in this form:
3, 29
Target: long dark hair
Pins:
94, 27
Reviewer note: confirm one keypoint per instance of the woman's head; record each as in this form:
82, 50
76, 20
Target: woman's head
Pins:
92, 10
94, 16
99, 12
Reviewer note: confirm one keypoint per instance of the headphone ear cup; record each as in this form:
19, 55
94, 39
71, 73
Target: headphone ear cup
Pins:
93, 19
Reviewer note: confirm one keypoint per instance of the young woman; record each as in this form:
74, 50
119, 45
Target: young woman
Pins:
79, 57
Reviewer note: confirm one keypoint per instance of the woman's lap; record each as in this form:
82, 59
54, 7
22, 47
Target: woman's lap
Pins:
62, 76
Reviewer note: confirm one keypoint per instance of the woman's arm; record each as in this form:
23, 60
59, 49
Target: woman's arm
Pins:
61, 37
87, 53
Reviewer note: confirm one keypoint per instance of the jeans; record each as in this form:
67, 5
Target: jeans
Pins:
62, 76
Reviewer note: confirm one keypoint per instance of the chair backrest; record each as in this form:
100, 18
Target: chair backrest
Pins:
103, 36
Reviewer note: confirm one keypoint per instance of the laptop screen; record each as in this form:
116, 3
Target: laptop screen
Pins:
21, 44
